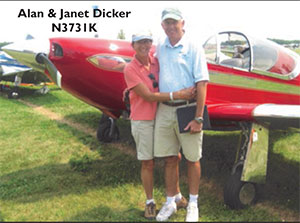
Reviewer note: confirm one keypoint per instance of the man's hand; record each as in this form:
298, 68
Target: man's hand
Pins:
194, 127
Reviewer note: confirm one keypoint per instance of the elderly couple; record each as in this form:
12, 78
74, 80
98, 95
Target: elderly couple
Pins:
175, 77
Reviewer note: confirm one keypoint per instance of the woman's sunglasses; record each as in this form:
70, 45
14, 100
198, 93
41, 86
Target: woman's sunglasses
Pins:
154, 84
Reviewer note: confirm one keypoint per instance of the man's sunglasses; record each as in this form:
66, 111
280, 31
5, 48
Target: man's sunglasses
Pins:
154, 84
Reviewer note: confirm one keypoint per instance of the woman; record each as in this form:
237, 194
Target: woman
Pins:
141, 76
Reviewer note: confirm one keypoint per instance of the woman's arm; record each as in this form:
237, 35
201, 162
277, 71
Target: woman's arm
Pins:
143, 91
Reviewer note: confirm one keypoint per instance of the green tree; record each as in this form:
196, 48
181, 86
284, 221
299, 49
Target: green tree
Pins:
121, 34
281, 41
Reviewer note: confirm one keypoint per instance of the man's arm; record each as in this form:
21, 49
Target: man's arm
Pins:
193, 125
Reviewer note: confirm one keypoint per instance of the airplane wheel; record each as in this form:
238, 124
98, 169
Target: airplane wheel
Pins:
13, 94
239, 194
104, 132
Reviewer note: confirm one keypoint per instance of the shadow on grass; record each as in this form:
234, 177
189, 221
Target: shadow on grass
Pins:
40, 99
89, 118
93, 120
1, 217
219, 151
107, 214
283, 176
282, 185
26, 92
53, 180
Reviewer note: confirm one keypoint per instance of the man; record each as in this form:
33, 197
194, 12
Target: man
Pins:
182, 64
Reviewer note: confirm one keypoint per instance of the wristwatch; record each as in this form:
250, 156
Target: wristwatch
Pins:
199, 120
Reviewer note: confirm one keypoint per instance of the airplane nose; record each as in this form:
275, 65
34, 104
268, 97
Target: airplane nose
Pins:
26, 51
55, 75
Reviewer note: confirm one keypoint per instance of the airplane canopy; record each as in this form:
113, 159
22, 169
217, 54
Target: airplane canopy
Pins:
234, 49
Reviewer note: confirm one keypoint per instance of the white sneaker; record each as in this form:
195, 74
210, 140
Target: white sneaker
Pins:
166, 211
192, 214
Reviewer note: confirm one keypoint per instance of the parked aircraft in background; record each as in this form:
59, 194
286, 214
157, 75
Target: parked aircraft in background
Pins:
254, 85
10, 68
9, 65
20, 75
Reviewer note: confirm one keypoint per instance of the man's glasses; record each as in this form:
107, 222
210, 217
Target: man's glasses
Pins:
154, 84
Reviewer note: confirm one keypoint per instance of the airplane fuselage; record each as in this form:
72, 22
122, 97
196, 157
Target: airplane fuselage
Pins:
103, 88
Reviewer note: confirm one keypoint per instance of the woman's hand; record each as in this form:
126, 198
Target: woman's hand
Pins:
186, 94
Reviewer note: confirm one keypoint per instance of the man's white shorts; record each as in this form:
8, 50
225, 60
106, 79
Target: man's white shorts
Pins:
168, 140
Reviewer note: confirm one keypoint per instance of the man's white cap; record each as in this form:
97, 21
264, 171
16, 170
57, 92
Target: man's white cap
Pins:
171, 13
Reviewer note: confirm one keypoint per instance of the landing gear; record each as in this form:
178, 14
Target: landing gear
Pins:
250, 168
239, 194
107, 130
13, 94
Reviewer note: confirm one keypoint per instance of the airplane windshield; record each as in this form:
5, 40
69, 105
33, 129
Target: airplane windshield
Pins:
228, 49
210, 48
234, 50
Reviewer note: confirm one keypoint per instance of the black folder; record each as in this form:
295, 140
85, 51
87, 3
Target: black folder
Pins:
187, 114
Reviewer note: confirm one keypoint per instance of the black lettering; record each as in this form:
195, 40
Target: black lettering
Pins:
92, 27
72, 26
110, 14
78, 27
56, 27
97, 13
40, 14
30, 14
122, 14
115, 13
61, 14
65, 27
22, 13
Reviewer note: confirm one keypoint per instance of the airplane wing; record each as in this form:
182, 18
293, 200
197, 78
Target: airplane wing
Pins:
275, 115
10, 66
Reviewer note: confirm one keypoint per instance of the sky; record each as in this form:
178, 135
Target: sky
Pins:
263, 19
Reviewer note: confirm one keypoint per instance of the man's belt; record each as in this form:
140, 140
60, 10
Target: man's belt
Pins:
179, 103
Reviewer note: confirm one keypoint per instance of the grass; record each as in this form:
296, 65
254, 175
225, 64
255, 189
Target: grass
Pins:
52, 172
297, 50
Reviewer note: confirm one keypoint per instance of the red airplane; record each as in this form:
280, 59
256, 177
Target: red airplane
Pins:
254, 85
